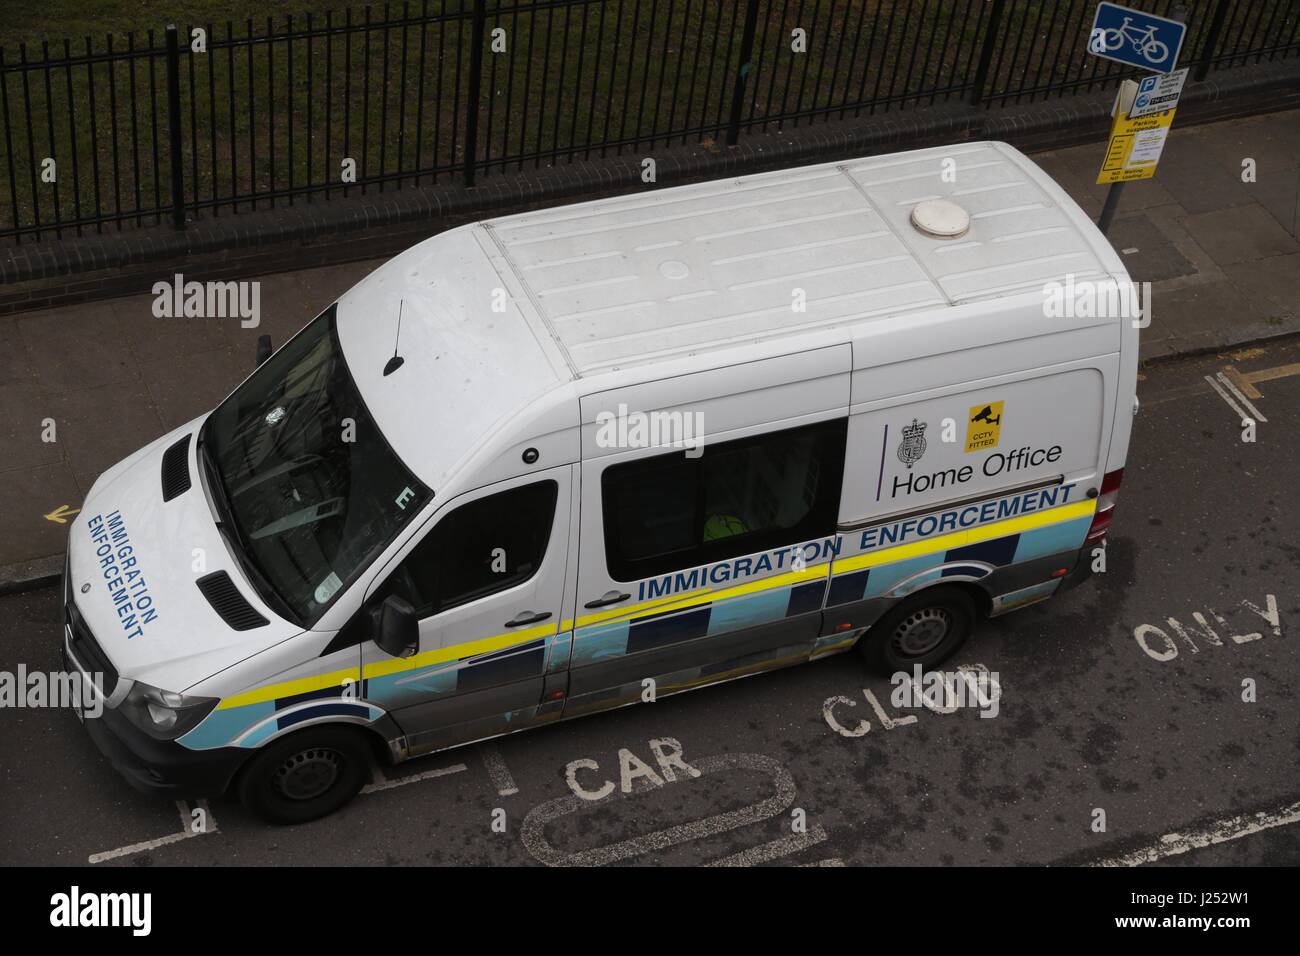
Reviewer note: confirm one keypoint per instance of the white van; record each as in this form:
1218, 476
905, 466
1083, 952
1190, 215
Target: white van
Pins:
684, 436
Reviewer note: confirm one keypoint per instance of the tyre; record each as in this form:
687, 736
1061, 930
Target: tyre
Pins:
924, 629
306, 775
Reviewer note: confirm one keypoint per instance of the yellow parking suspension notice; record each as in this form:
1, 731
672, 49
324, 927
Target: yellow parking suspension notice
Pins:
1135, 146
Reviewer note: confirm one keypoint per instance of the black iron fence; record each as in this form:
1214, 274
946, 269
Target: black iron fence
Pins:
221, 118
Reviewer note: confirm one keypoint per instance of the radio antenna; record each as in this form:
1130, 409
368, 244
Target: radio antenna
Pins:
394, 363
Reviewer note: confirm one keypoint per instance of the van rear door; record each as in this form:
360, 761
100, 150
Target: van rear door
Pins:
970, 481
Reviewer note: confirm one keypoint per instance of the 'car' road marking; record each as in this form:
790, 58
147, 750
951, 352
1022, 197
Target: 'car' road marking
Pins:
534, 826
1233, 828
774, 850
187, 831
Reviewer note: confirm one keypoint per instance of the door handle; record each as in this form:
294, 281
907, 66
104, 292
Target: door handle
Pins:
609, 597
527, 617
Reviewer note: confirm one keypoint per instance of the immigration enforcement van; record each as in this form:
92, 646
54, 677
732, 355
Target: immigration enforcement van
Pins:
534, 466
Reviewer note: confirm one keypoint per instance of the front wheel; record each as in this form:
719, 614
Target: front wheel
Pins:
306, 775
925, 629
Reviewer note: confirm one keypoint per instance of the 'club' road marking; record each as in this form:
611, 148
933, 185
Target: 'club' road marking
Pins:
498, 771
1222, 831
186, 833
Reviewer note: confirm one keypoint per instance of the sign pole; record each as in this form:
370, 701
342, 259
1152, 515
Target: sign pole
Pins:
1109, 206
1136, 136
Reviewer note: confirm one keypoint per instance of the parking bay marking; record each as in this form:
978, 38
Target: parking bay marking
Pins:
1245, 381
187, 831
1221, 831
380, 782
1214, 384
498, 771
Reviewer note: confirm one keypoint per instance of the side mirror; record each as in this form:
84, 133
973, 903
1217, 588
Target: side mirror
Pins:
264, 348
398, 631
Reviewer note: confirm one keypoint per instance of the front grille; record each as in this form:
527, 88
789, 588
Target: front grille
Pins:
87, 650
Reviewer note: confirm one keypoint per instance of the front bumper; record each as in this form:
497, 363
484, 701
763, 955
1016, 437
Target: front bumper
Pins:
156, 766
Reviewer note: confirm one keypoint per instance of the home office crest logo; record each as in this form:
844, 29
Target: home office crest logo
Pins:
912, 447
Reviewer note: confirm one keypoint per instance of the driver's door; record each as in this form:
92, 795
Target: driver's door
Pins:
488, 582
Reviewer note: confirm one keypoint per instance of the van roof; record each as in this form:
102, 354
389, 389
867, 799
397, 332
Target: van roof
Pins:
689, 273
633, 279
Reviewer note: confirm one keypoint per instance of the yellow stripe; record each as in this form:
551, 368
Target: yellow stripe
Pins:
987, 532
396, 665
679, 602
486, 645
302, 685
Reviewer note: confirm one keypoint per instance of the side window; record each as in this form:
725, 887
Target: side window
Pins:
480, 548
670, 512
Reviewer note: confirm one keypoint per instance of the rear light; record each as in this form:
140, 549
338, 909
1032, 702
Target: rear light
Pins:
1105, 506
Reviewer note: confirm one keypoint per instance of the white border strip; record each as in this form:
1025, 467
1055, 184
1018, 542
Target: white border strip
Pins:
1233, 828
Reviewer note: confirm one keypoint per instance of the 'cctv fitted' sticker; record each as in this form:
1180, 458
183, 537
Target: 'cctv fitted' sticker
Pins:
983, 426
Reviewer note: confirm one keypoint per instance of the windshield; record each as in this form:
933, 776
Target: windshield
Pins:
313, 491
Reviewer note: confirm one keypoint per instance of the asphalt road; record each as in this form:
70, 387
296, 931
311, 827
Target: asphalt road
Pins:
1088, 721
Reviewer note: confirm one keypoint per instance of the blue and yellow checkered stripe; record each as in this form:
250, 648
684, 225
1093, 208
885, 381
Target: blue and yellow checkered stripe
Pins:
616, 632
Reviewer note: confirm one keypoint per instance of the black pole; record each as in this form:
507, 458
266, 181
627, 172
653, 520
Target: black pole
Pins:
1211, 40
174, 125
986, 52
746, 54
475, 88
1109, 206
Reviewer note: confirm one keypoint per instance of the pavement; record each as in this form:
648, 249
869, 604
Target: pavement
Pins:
83, 386
1125, 732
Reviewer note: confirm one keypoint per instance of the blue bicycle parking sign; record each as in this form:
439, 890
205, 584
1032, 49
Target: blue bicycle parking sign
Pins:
1136, 38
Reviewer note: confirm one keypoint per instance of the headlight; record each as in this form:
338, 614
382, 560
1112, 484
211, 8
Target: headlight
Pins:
162, 714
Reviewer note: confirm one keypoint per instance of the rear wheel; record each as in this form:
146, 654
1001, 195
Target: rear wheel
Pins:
925, 629
306, 775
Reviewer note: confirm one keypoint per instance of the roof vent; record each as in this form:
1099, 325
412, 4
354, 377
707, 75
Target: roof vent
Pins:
176, 469
940, 218
228, 602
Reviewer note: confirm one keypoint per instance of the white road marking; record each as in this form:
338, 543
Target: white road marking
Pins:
385, 784
829, 861
1228, 398
1228, 383
498, 771
533, 833
774, 850
185, 833
1222, 831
